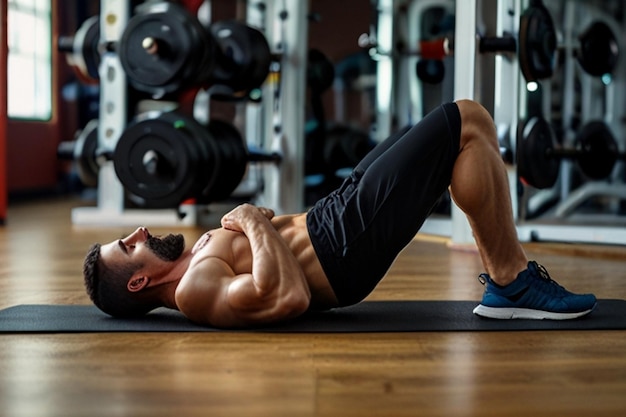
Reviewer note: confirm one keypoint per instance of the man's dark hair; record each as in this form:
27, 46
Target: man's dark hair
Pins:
106, 286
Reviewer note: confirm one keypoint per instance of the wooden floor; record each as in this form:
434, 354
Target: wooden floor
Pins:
555, 373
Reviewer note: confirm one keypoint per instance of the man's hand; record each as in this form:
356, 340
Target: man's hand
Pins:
275, 288
240, 216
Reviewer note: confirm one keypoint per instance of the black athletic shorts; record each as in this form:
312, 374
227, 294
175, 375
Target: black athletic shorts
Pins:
359, 229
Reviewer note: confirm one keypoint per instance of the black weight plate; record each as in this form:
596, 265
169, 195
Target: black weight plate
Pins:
233, 159
535, 166
599, 51
89, 39
537, 44
182, 51
598, 150
85, 154
208, 154
173, 180
320, 71
244, 55
430, 71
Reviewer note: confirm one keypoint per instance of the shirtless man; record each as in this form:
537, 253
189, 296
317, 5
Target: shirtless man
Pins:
259, 269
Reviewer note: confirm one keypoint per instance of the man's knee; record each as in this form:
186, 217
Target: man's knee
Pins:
476, 125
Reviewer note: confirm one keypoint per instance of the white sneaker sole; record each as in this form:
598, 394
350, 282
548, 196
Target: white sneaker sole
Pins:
525, 313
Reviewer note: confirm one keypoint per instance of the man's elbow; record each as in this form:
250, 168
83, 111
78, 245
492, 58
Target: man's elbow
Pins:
296, 303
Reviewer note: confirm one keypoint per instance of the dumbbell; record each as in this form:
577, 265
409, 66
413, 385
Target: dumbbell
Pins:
164, 48
165, 158
82, 151
539, 158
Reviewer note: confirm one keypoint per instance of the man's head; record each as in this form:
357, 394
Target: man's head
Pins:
118, 275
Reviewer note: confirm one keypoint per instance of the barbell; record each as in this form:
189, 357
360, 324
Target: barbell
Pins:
165, 158
539, 157
536, 47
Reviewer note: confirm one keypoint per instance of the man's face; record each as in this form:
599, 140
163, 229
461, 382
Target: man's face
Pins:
169, 248
140, 247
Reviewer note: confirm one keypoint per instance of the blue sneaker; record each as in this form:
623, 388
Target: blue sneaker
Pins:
533, 295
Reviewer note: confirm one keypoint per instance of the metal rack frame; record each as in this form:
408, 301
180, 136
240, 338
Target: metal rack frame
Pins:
285, 28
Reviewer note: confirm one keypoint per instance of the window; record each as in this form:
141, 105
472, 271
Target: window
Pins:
29, 72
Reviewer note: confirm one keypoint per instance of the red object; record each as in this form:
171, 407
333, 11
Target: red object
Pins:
192, 5
3, 110
434, 49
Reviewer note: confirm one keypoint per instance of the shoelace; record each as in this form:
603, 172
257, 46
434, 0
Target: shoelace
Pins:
542, 273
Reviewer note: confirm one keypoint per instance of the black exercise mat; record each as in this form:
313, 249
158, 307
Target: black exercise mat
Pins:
372, 316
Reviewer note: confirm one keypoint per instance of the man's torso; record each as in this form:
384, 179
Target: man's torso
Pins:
234, 249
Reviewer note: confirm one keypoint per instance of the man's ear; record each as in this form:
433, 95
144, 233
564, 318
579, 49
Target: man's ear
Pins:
137, 283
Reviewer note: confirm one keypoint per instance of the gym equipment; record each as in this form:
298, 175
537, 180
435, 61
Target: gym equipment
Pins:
598, 51
539, 158
535, 46
243, 57
537, 43
164, 48
277, 117
430, 71
81, 50
82, 150
320, 71
344, 147
597, 150
165, 158
367, 316
435, 22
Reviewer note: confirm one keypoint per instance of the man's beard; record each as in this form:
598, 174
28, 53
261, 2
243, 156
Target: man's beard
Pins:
169, 248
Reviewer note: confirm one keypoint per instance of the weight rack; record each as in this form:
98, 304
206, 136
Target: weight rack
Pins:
471, 81
284, 22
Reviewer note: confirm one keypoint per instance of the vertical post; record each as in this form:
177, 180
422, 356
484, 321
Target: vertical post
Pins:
284, 183
385, 69
3, 110
256, 113
113, 103
464, 88
569, 94
507, 82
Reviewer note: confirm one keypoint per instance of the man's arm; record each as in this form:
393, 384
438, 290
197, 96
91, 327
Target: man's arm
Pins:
277, 286
275, 290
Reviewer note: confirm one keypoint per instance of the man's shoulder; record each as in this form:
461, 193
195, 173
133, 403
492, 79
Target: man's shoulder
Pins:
203, 288
205, 270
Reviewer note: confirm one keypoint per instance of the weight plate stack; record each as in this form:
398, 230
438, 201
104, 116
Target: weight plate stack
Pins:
164, 49
161, 162
244, 56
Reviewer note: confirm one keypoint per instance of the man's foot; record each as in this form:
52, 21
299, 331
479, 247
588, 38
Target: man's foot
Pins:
533, 295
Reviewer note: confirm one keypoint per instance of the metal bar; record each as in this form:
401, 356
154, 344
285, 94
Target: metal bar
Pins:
464, 88
385, 70
287, 35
